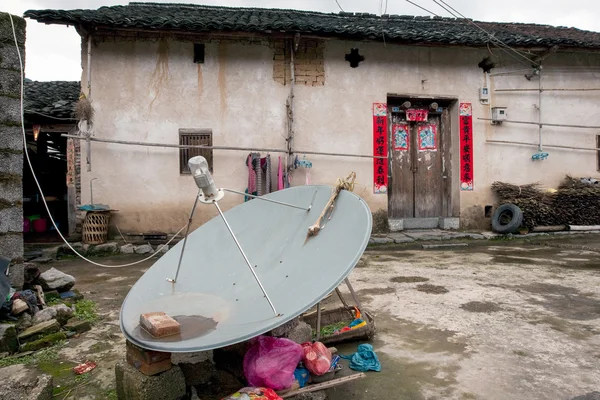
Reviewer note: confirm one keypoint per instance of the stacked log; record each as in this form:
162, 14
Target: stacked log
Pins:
574, 203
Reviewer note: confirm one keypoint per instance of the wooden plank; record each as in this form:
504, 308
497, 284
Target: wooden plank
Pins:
429, 191
325, 385
401, 185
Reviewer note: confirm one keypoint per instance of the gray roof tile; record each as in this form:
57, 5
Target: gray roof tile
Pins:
47, 101
404, 29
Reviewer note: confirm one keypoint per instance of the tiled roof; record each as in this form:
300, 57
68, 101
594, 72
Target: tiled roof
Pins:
46, 101
405, 29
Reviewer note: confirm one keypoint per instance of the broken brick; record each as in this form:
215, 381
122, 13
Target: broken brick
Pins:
159, 324
147, 356
148, 369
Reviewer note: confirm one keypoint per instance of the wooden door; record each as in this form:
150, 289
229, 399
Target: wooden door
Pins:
416, 165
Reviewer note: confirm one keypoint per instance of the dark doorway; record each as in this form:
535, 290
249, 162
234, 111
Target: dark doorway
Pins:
47, 152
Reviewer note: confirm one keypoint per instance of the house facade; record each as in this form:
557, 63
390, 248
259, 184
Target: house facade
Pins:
428, 112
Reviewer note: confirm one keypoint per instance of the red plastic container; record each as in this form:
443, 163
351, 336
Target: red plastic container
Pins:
40, 225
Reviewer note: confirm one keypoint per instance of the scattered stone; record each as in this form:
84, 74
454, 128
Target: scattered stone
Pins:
143, 249
162, 248
39, 330
59, 312
8, 338
65, 250
78, 326
70, 334
42, 260
301, 334
19, 306
127, 249
105, 249
333, 350
481, 307
16, 275
4, 355
19, 382
54, 279
285, 328
25, 321
132, 385
44, 342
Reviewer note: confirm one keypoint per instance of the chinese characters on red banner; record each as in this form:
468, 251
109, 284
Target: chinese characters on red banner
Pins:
466, 147
380, 148
416, 115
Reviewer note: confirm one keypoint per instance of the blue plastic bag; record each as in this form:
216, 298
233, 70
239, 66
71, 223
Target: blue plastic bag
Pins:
364, 359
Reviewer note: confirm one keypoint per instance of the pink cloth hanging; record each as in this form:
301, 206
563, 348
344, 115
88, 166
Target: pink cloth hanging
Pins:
251, 176
279, 175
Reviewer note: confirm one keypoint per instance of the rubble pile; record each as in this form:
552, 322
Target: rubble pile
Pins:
575, 202
40, 313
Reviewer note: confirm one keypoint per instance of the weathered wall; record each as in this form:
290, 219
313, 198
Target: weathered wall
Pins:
11, 140
147, 90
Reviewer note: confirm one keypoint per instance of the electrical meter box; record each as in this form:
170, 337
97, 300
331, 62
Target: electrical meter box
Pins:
484, 95
499, 115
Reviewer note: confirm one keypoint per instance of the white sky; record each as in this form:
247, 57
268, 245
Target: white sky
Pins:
53, 51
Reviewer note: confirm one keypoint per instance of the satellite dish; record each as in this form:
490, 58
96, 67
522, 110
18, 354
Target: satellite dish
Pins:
216, 298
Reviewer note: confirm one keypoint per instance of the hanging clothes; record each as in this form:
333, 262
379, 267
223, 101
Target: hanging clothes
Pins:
268, 174
279, 175
258, 170
251, 175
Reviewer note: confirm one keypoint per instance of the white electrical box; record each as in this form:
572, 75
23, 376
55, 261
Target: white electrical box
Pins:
499, 114
484, 95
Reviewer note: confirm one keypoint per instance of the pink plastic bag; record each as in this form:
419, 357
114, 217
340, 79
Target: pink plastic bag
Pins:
270, 362
317, 357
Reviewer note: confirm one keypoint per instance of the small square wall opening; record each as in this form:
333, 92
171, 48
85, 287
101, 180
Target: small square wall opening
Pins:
488, 211
198, 53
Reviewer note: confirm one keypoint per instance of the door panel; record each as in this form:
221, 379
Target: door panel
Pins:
402, 191
428, 191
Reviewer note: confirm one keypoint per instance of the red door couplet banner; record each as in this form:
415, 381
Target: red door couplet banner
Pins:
466, 146
380, 148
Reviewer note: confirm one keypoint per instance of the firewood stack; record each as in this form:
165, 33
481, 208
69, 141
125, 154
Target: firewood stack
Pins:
574, 203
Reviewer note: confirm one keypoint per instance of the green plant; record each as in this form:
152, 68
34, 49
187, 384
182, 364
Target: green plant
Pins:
45, 355
86, 310
328, 330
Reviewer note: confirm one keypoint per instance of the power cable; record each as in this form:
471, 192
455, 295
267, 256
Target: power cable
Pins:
49, 116
422, 8
38, 183
338, 4
494, 38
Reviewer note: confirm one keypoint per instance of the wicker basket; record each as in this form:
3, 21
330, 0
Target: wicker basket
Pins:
95, 227
338, 315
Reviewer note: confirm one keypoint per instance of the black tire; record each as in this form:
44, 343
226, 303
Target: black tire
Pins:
507, 219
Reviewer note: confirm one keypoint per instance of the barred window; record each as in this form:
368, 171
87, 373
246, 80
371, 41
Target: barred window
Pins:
194, 137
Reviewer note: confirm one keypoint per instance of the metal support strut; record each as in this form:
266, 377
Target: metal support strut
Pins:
269, 200
246, 259
187, 230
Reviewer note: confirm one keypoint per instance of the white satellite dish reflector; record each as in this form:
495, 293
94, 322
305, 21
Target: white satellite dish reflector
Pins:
216, 298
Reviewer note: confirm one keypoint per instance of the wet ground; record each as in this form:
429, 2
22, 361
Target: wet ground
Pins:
495, 320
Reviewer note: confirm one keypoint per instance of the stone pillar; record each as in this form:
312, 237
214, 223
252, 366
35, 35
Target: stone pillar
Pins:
11, 140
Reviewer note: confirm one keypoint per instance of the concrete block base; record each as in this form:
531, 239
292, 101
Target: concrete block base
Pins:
133, 385
396, 225
449, 223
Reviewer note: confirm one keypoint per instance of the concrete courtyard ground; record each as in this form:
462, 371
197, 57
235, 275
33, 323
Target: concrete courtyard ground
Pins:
493, 320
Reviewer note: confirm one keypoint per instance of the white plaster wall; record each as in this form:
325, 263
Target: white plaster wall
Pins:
139, 95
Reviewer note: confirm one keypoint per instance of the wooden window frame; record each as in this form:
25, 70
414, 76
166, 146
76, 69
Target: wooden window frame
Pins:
194, 137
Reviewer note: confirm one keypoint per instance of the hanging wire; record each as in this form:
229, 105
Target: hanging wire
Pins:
338, 4
38, 183
495, 39
422, 8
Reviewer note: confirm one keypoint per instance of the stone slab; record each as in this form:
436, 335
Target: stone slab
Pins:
8, 338
400, 238
39, 330
425, 235
133, 385
75, 325
18, 382
382, 240
16, 275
